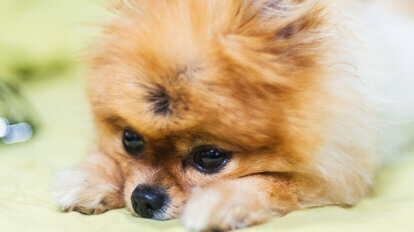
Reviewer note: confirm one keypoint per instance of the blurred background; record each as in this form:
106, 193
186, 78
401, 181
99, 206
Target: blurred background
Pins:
42, 44
41, 51
41, 41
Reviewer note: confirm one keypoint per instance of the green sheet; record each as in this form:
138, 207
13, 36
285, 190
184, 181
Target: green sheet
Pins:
40, 40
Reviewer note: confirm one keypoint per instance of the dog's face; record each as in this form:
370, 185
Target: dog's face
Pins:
198, 92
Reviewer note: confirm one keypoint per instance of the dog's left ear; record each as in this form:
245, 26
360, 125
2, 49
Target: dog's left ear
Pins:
294, 33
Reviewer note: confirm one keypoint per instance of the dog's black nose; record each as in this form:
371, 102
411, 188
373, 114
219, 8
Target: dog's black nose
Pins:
147, 200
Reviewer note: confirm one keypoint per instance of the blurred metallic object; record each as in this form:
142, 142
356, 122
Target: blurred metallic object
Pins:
4, 127
17, 118
17, 133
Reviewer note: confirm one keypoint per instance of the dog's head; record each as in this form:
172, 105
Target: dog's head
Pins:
186, 93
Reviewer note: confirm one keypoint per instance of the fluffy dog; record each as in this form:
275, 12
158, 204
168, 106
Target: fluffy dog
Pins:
227, 113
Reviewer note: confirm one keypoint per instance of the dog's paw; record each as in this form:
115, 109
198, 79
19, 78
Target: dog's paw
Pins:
82, 191
223, 209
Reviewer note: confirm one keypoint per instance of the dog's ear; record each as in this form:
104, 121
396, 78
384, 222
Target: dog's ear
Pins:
295, 33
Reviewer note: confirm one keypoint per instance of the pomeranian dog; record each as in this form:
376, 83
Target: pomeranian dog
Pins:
227, 113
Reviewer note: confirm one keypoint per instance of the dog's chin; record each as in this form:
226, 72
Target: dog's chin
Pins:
165, 215
159, 217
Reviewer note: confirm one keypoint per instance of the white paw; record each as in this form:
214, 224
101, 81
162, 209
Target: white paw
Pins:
218, 209
76, 190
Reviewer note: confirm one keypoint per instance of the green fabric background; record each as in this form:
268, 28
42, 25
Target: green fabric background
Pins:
40, 44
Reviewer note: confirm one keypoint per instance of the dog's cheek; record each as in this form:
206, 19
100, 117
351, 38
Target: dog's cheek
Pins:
176, 202
127, 197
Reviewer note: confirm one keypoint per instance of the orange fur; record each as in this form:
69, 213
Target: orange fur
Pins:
253, 77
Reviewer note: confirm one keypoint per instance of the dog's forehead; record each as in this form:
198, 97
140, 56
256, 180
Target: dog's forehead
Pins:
175, 100
160, 81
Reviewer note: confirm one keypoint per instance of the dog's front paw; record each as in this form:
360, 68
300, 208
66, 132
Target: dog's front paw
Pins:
86, 192
221, 208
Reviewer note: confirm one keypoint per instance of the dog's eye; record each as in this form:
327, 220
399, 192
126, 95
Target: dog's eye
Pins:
133, 142
209, 159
